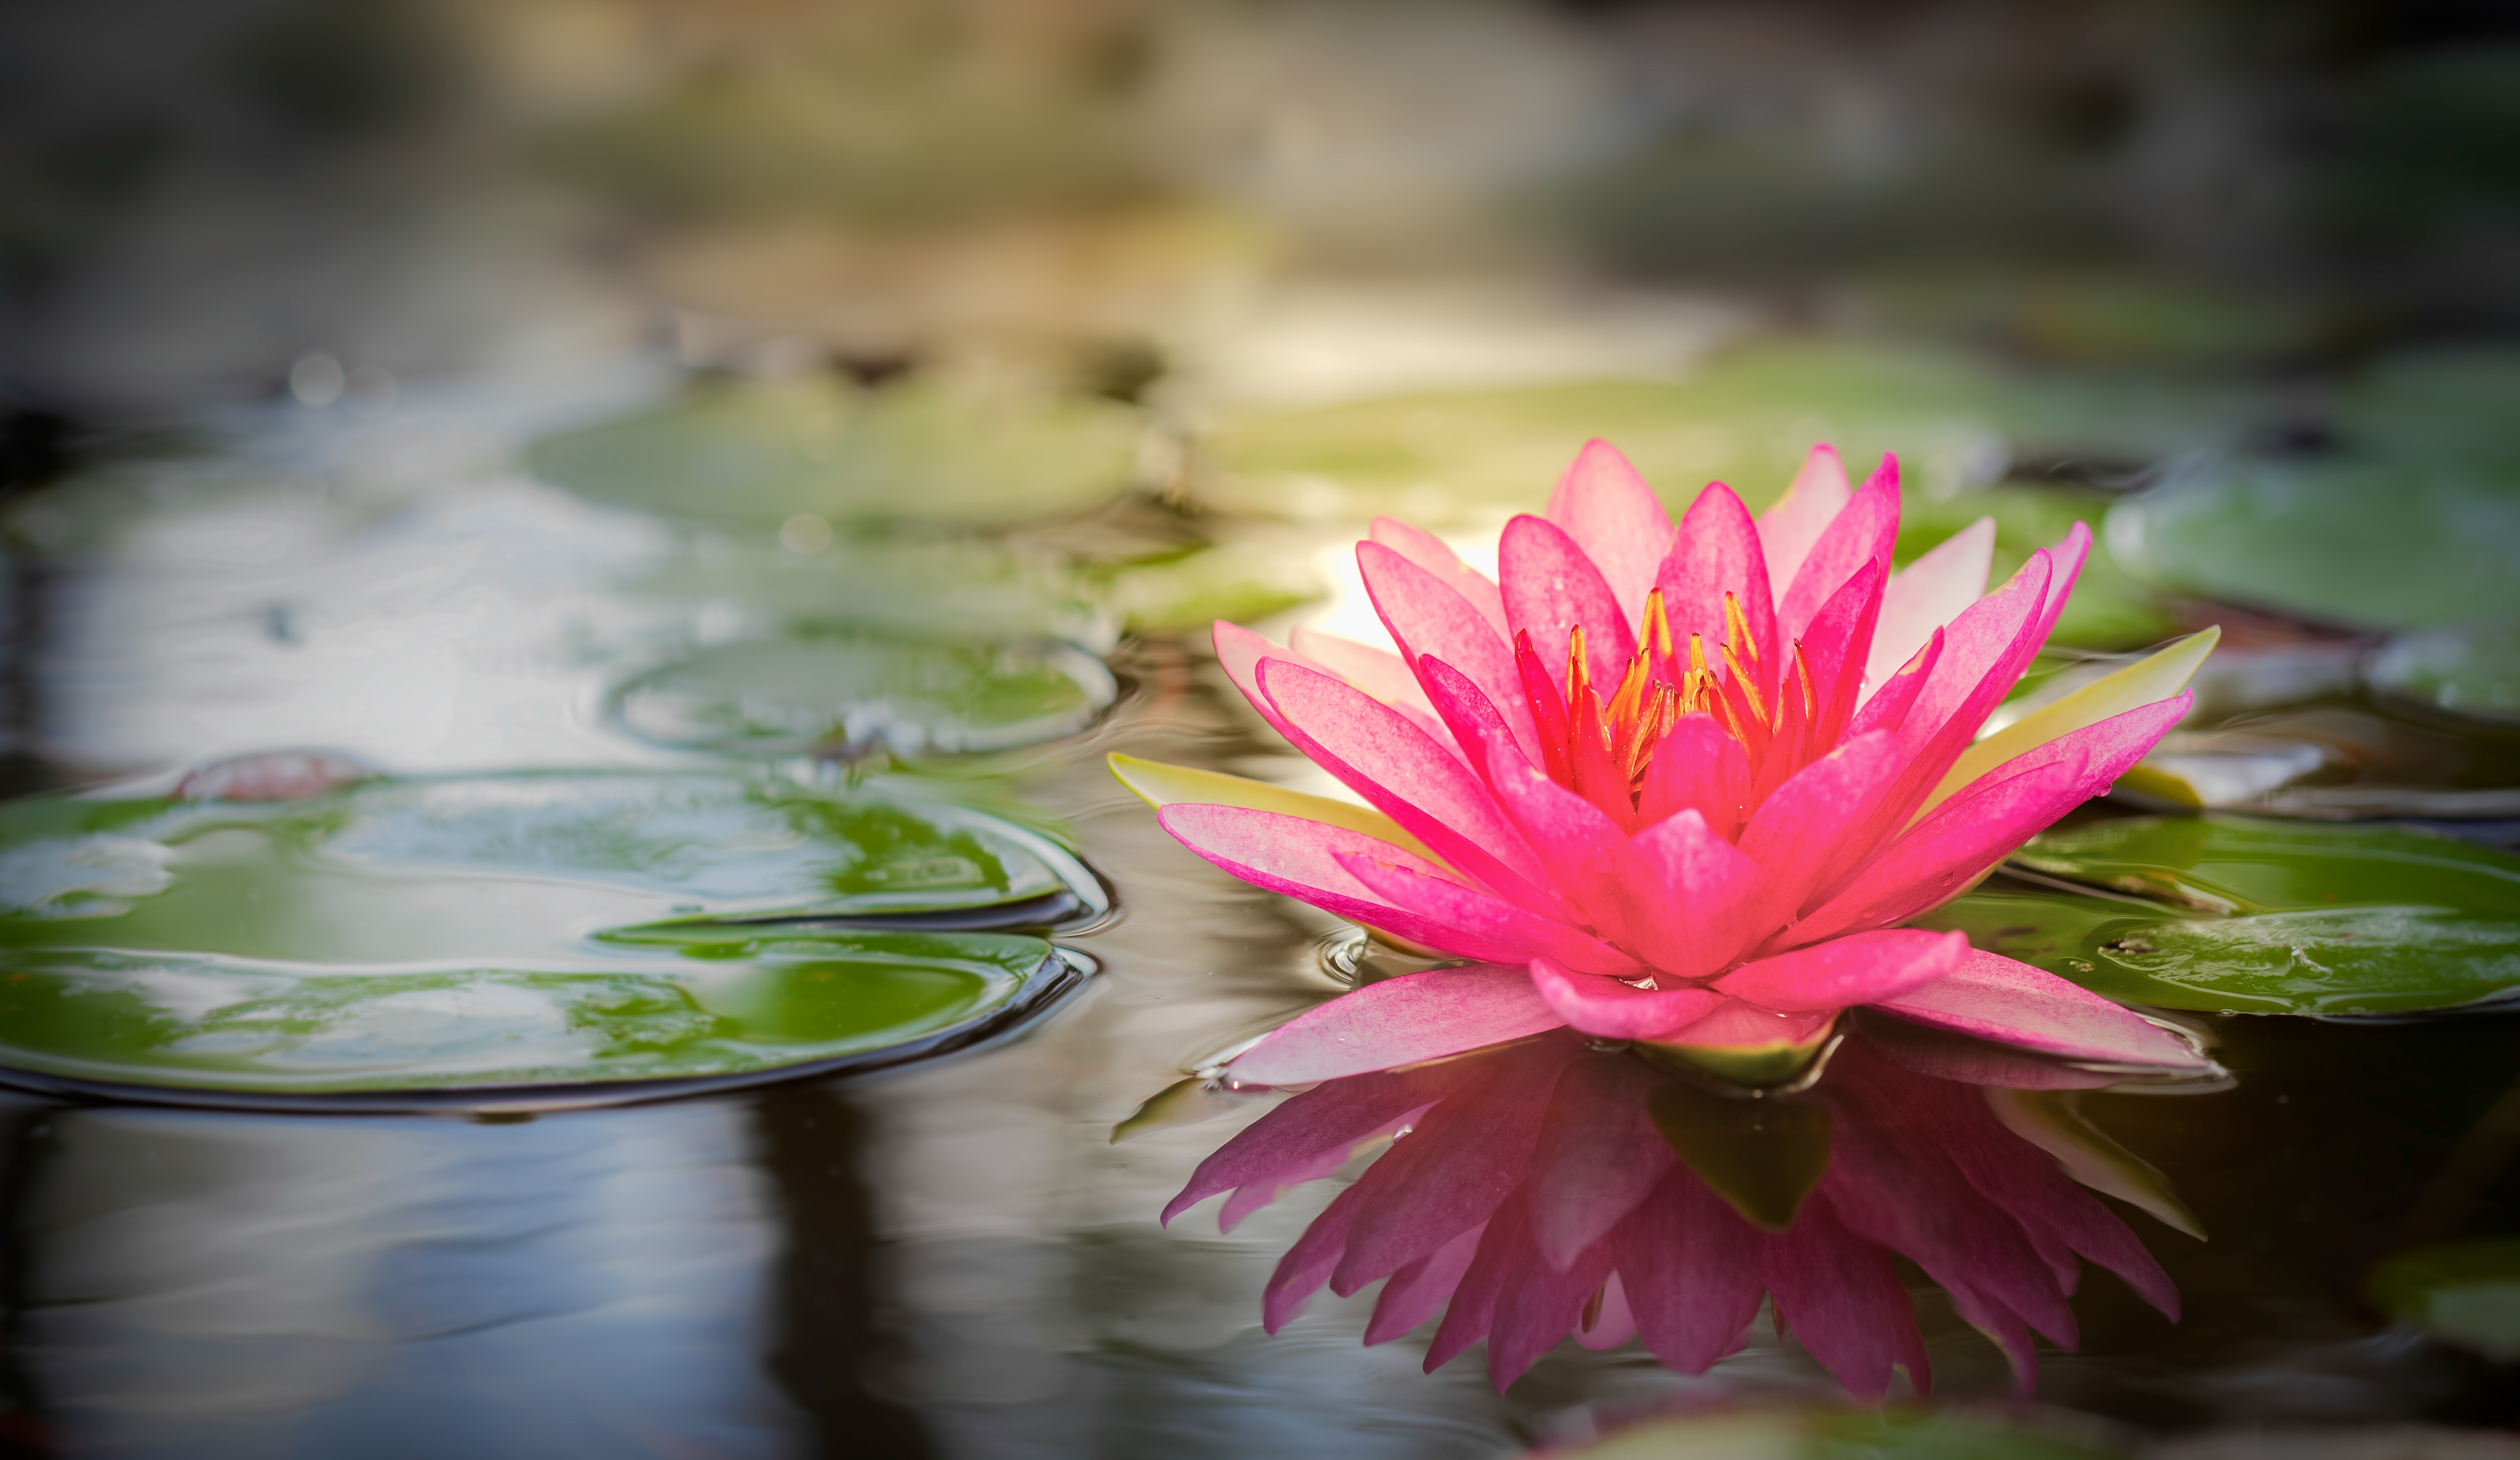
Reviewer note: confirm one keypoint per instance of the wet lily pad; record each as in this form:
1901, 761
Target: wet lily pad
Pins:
2463, 1292
2384, 544
213, 1028
767, 453
850, 695
2223, 914
2472, 672
562, 928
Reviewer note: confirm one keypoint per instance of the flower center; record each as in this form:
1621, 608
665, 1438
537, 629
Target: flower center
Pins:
1604, 750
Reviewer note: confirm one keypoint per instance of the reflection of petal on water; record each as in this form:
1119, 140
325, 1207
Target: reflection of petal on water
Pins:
1547, 1188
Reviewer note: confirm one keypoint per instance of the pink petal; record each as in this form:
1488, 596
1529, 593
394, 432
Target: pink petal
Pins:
1844, 1302
1467, 1155
1973, 1062
1409, 1296
1837, 645
1994, 997
1336, 1114
1380, 673
1406, 775
1865, 532
1984, 651
1615, 1324
1427, 616
1300, 859
1610, 513
2068, 558
1598, 1156
1807, 825
1255, 1194
1929, 592
1700, 890
1717, 552
1792, 523
1437, 557
1946, 852
1586, 855
1862, 969
1238, 652
1518, 935
1541, 1307
1690, 1266
1551, 588
1307, 1264
1399, 1021
1609, 1009
1505, 1253
2046, 1203
1737, 1025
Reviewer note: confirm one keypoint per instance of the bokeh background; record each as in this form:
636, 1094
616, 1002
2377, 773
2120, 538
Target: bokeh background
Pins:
484, 384
1327, 260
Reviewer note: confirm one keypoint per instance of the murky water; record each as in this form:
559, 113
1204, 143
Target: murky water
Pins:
950, 1258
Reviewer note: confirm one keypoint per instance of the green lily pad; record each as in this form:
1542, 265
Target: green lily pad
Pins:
176, 1025
472, 867
764, 454
544, 928
956, 589
2463, 1292
848, 696
2386, 544
2472, 672
2217, 912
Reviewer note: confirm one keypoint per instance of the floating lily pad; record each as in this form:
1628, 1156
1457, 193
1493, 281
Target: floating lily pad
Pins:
2472, 672
217, 1028
2255, 916
2463, 1292
569, 928
845, 697
2385, 543
766, 453
960, 588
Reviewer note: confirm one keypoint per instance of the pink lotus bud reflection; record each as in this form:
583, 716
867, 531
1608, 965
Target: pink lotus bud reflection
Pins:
1552, 1188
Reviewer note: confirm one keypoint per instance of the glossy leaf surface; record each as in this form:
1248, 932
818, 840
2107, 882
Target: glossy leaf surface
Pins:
2222, 913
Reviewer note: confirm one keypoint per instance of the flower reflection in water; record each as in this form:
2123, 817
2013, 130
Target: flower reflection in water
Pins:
1557, 1186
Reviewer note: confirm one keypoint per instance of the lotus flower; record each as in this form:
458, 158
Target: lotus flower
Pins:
1548, 1187
1676, 784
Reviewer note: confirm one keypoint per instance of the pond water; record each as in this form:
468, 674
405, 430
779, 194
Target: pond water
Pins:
953, 1256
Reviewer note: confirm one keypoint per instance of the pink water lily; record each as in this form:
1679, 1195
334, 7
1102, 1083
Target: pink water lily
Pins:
1676, 783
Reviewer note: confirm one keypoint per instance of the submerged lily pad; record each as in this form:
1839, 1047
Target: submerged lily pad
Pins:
919, 451
566, 927
211, 1026
847, 696
2384, 544
2463, 1292
2217, 912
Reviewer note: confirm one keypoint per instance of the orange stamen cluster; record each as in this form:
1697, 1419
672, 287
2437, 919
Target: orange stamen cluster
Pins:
1603, 750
